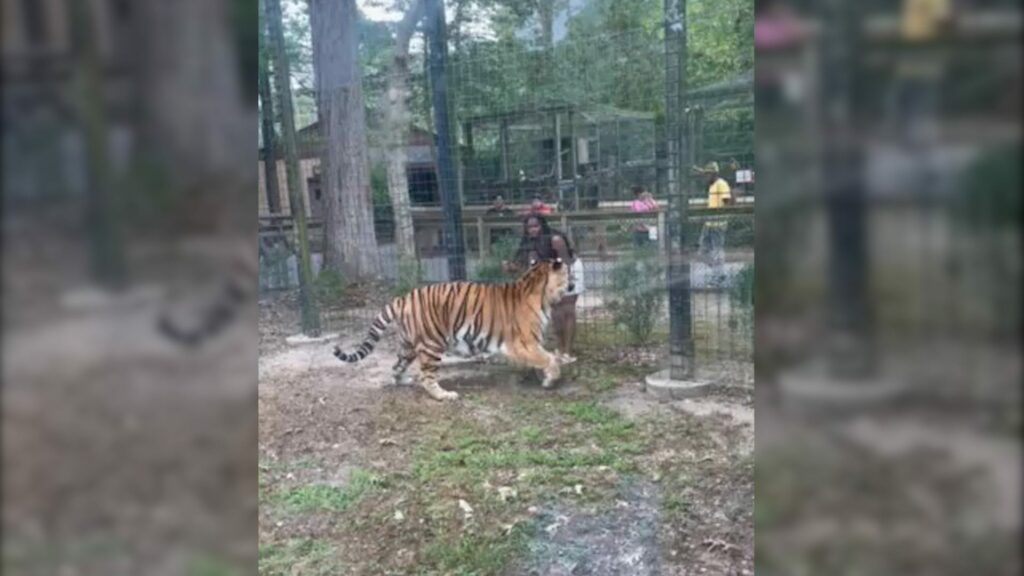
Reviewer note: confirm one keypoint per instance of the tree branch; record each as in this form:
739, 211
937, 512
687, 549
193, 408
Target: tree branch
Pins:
407, 26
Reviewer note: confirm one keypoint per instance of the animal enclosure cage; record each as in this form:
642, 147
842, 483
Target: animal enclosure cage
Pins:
570, 156
581, 125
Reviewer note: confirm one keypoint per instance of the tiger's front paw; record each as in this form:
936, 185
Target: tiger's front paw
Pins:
564, 359
448, 395
549, 381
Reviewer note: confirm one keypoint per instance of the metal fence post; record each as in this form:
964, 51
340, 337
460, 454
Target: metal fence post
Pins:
681, 364
451, 204
850, 345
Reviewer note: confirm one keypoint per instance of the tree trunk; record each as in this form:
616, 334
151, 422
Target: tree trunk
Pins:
267, 122
547, 24
351, 244
195, 108
282, 76
546, 8
457, 22
396, 134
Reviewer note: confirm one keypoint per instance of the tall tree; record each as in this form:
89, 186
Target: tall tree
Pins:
195, 107
345, 167
310, 312
396, 132
267, 123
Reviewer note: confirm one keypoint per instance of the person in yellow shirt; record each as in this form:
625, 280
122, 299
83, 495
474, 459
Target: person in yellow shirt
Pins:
719, 193
712, 235
918, 74
924, 20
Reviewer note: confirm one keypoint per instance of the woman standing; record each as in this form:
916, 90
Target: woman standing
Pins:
642, 202
541, 242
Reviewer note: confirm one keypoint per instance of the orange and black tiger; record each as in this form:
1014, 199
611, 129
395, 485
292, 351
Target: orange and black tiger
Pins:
473, 318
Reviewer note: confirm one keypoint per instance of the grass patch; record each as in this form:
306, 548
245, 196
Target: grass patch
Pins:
541, 450
304, 556
590, 412
675, 504
531, 434
477, 554
329, 497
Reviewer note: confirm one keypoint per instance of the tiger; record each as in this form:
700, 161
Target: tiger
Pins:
239, 275
471, 318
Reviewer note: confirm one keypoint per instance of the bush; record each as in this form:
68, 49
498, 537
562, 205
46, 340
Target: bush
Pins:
636, 286
989, 193
742, 292
329, 285
410, 275
490, 267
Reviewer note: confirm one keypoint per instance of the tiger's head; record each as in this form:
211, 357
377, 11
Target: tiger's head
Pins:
556, 274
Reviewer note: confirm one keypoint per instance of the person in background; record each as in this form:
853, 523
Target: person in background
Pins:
499, 208
541, 242
643, 202
719, 192
537, 206
916, 89
712, 236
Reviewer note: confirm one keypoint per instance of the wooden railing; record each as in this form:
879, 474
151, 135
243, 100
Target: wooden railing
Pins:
601, 220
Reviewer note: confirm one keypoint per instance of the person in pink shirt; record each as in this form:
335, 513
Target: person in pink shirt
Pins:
777, 26
643, 201
537, 206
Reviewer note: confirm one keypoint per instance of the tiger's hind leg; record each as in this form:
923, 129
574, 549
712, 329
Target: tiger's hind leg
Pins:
429, 361
536, 356
406, 354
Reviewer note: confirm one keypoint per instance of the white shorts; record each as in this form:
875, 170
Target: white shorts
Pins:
576, 278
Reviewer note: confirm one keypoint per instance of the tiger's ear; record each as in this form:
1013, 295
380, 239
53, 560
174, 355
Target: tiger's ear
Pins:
556, 264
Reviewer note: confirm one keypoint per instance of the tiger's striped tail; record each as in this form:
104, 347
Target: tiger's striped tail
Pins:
376, 330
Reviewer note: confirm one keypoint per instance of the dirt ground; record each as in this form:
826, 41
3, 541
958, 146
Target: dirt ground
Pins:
593, 477
122, 453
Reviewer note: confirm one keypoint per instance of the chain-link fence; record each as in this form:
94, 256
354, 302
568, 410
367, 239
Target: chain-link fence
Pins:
582, 131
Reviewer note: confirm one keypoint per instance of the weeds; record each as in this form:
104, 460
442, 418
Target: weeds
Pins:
332, 498
330, 286
636, 289
305, 556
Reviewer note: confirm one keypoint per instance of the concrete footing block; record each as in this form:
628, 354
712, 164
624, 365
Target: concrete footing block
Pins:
661, 386
301, 339
819, 391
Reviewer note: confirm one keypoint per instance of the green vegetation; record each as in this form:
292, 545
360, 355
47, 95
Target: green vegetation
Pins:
489, 269
989, 196
332, 498
410, 275
478, 554
637, 287
301, 556
742, 291
330, 286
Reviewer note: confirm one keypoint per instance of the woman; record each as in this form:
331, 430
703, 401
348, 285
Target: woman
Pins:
642, 202
541, 242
